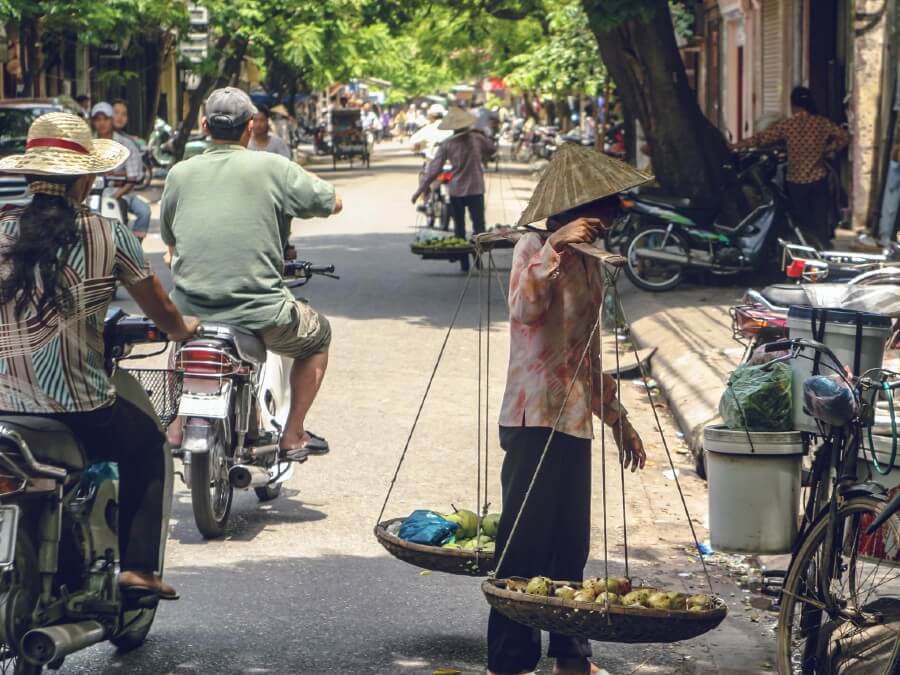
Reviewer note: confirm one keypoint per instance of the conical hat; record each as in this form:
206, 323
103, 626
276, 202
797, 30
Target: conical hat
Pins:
577, 175
456, 119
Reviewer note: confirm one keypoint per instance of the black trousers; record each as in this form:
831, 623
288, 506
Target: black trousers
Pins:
811, 208
552, 539
458, 206
125, 434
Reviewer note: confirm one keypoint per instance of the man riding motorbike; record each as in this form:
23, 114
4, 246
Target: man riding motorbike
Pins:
226, 218
59, 264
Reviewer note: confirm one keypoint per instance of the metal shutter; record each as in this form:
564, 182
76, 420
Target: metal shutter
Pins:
773, 63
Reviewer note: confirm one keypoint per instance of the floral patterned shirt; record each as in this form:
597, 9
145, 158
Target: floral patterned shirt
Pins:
554, 301
809, 139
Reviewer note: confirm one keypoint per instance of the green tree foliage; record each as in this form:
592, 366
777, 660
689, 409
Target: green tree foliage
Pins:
564, 61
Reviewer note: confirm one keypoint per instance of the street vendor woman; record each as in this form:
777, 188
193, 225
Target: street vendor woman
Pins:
554, 301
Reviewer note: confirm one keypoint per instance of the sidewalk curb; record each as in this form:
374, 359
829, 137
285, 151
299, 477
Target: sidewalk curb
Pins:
690, 375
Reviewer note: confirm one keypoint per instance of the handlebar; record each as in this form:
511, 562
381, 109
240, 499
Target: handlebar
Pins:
303, 271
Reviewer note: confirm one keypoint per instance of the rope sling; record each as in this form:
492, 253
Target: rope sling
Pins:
484, 326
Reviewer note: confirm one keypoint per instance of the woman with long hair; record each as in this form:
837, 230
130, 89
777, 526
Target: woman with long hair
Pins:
59, 266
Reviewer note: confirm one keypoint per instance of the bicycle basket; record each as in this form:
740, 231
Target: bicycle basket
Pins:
163, 387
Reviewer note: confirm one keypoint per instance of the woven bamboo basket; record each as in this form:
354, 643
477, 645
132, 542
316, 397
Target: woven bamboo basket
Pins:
435, 558
593, 621
434, 253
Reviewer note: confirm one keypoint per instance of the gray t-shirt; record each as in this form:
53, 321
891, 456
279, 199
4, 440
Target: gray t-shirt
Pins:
275, 146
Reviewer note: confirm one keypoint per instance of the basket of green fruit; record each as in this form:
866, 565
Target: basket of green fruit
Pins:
446, 247
467, 553
605, 610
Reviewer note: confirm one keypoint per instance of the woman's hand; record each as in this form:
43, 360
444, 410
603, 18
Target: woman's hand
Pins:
631, 447
579, 231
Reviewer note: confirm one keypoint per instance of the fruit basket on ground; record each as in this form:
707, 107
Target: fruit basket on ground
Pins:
464, 551
605, 610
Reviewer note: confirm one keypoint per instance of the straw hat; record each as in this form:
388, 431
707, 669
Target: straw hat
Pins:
457, 119
575, 176
60, 144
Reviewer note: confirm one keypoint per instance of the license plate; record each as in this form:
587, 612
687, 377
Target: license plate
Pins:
9, 519
203, 405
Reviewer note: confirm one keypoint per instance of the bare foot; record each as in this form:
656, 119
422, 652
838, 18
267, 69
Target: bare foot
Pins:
291, 441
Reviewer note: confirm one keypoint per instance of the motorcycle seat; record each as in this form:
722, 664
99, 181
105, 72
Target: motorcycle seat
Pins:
51, 442
785, 295
248, 344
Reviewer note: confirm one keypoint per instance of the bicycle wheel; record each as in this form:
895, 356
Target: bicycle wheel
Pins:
844, 617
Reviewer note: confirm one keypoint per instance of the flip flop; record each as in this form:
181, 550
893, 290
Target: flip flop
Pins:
298, 454
138, 591
317, 445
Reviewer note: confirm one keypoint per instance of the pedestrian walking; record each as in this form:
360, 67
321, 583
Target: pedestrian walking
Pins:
555, 296
810, 140
464, 151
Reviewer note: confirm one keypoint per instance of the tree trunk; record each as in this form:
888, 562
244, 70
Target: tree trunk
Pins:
28, 40
163, 44
230, 67
641, 56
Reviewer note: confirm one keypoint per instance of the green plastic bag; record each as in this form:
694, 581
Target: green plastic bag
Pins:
758, 398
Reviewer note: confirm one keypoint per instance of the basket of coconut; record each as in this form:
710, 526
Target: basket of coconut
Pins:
606, 610
464, 547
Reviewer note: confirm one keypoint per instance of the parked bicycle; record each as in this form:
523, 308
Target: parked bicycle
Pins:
840, 603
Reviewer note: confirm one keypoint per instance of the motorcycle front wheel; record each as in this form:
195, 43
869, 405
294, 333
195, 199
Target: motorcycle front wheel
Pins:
655, 275
211, 491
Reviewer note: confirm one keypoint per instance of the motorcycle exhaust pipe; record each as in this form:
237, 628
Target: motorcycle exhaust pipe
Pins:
666, 256
244, 476
41, 646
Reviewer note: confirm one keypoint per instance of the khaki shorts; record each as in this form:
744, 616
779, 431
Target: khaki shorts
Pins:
308, 334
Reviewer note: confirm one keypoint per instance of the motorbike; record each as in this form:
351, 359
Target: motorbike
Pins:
749, 172
59, 550
437, 204
161, 146
811, 265
321, 143
101, 199
234, 404
670, 241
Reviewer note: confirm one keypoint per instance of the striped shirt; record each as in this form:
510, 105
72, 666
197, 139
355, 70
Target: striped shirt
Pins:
50, 363
134, 165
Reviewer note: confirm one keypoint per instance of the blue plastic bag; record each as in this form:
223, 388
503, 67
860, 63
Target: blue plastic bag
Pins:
427, 527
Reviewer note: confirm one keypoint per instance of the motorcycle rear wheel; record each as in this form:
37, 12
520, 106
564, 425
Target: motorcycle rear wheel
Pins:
444, 215
621, 231
652, 275
211, 491
139, 624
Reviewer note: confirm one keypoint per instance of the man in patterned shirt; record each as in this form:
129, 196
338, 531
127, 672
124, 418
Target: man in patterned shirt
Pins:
810, 139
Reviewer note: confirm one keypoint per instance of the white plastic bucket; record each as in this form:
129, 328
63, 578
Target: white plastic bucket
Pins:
837, 329
754, 492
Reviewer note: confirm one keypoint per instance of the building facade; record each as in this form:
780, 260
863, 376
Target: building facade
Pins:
749, 54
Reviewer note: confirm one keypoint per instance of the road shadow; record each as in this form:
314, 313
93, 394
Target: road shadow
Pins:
341, 614
249, 517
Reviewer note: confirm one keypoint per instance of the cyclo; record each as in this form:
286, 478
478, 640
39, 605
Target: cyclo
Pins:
840, 602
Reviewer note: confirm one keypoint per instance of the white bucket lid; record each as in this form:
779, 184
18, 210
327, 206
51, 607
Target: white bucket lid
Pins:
721, 439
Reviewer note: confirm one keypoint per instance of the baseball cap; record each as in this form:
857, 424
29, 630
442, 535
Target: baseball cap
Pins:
102, 108
229, 107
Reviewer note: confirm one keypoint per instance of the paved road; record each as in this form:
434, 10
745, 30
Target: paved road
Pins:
300, 585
